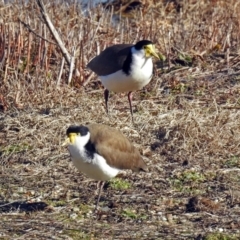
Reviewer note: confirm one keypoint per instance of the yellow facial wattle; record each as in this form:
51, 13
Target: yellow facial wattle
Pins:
150, 51
70, 139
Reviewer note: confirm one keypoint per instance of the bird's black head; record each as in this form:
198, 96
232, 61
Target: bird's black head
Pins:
80, 130
139, 45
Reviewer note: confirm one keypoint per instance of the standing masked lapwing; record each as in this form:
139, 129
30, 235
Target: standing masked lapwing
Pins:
124, 68
101, 152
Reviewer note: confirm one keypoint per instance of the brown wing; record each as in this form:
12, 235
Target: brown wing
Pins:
117, 149
112, 59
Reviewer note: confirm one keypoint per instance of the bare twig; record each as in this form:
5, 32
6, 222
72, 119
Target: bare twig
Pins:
60, 72
30, 30
71, 67
8, 56
56, 36
2, 45
88, 79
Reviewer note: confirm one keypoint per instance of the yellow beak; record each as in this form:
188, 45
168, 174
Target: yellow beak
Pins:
66, 142
150, 51
155, 54
70, 139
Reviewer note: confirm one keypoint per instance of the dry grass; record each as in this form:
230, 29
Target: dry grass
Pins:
186, 125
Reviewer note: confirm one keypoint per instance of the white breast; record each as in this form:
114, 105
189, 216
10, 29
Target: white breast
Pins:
95, 168
140, 75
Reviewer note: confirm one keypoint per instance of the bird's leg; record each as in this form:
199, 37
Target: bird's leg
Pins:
100, 186
130, 103
106, 95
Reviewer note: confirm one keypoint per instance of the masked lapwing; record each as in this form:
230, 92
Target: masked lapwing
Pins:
101, 152
124, 68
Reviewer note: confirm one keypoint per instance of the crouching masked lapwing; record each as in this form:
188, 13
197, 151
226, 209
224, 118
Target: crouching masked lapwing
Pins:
101, 152
124, 68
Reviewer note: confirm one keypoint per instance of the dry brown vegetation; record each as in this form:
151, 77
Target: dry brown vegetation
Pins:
186, 123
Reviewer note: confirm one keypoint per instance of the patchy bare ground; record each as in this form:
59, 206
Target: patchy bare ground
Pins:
190, 142
186, 126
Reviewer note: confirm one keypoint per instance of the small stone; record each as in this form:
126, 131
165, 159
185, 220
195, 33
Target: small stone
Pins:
76, 209
105, 209
32, 192
14, 195
164, 218
20, 189
73, 216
